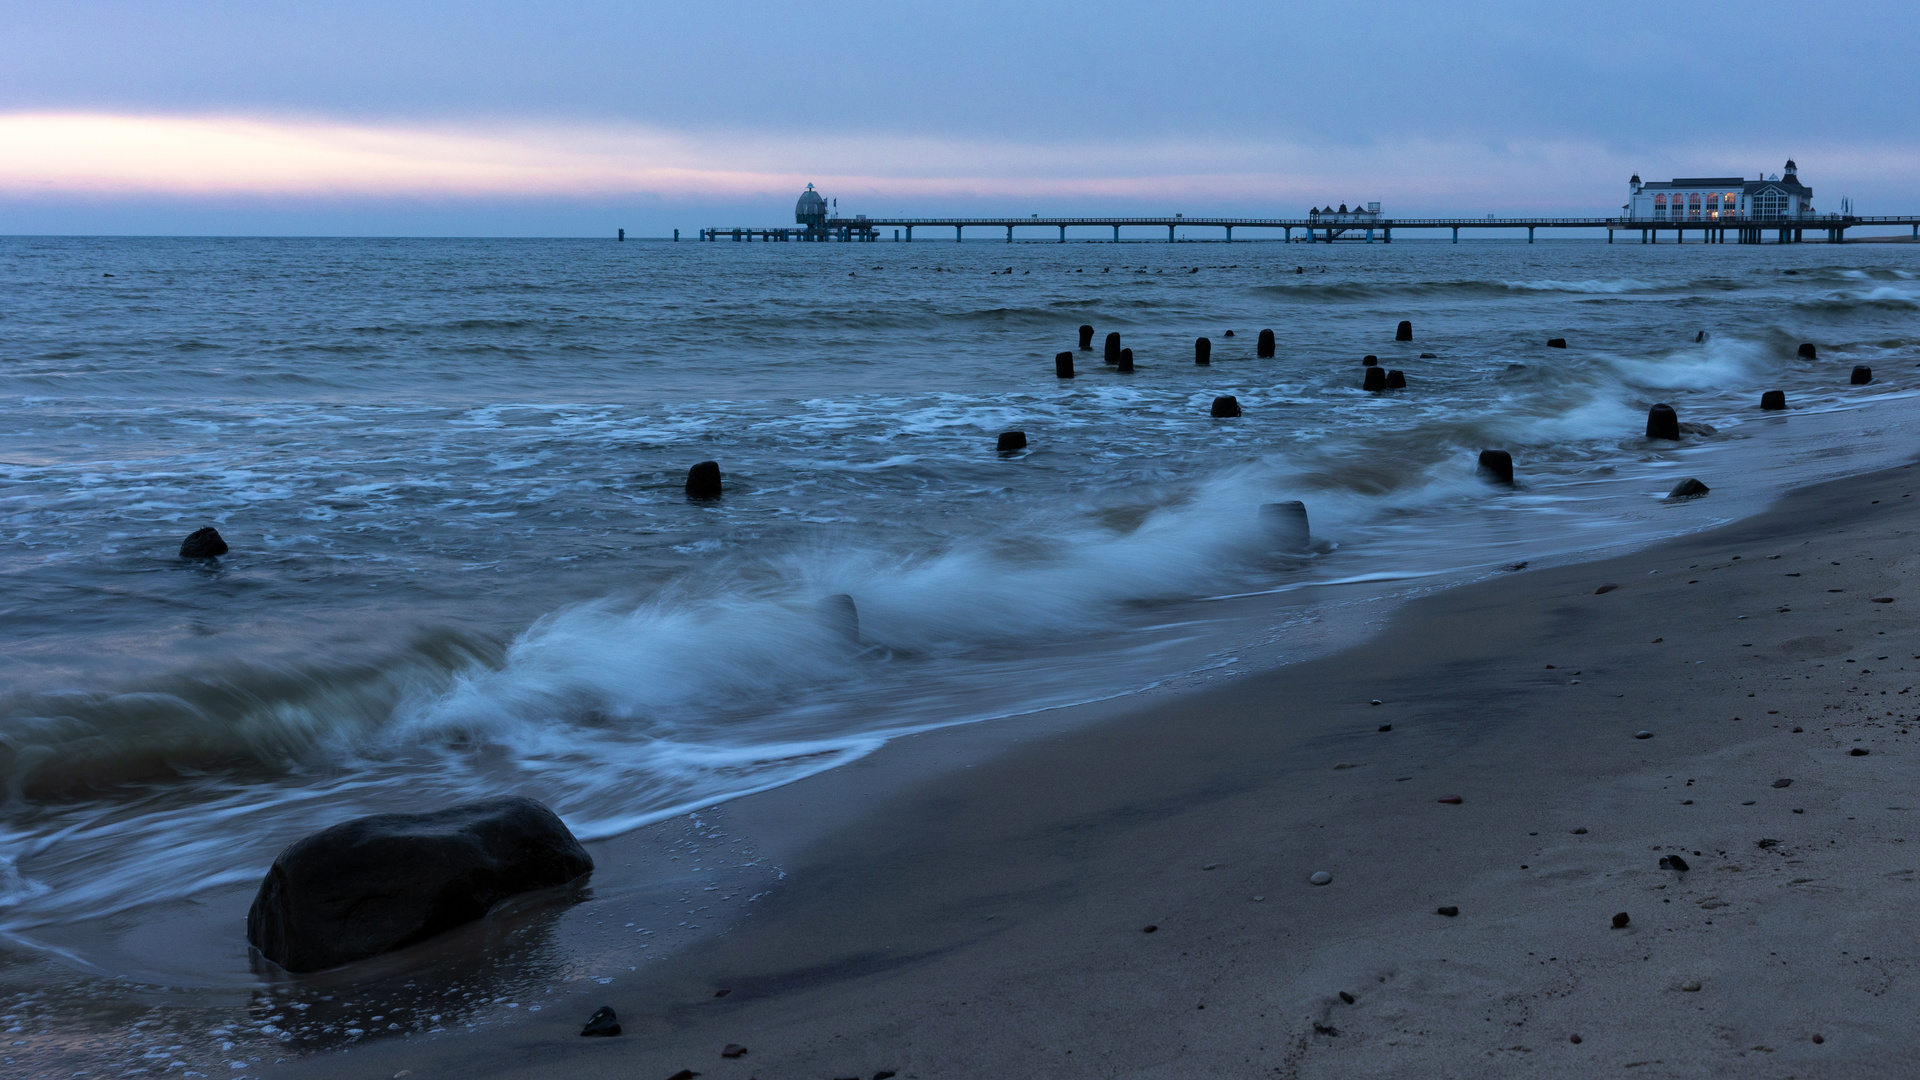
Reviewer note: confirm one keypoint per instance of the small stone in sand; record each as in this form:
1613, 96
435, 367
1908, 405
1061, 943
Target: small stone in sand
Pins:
1690, 985
885, 1074
602, 1022
1797, 731
1677, 863
1620, 920
1819, 1038
1449, 911
1451, 799
683, 1074
1386, 727
1326, 1029
1574, 1039
1344, 765
1883, 599
1749, 802
1607, 588
722, 992
1643, 734
1211, 866
1783, 781
1375, 701
733, 1050
1320, 877
1857, 752
1346, 997
1581, 831
1797, 810
1149, 928
1257, 899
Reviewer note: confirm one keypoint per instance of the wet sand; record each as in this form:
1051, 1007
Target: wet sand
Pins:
974, 902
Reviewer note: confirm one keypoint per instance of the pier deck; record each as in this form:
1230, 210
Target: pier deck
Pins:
1327, 228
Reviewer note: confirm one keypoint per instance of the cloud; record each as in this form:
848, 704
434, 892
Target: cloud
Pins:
116, 156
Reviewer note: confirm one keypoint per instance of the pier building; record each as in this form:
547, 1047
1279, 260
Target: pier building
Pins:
1717, 198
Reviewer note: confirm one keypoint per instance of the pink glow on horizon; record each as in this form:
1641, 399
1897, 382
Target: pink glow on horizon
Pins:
110, 155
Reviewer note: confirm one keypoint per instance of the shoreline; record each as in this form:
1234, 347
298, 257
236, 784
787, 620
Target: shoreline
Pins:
966, 902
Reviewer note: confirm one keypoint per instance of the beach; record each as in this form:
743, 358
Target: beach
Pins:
976, 902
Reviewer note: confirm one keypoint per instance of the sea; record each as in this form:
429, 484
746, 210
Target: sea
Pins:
463, 562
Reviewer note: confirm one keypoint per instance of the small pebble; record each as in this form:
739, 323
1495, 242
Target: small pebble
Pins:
1643, 734
683, 1074
1819, 1038
1320, 877
1258, 899
1783, 782
1797, 810
1797, 731
1857, 752
1574, 1039
1449, 911
1344, 765
1749, 802
1690, 985
733, 1050
1581, 831
602, 1022
1605, 589
1376, 701
1620, 920
722, 992
1346, 997
1453, 799
1149, 928
1211, 866
1386, 727
1677, 863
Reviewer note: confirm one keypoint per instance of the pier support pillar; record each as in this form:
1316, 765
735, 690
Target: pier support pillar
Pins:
1289, 233
909, 234
1009, 234
1456, 234
1609, 236
1116, 234
1369, 236
1229, 234
956, 233
1169, 234
1386, 236
1063, 234
1529, 234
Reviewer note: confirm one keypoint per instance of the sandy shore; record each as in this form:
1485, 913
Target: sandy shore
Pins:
963, 905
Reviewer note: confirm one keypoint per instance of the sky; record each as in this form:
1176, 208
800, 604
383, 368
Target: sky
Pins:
402, 117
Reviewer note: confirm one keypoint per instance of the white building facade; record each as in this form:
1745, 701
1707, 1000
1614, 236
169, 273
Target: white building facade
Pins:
1781, 197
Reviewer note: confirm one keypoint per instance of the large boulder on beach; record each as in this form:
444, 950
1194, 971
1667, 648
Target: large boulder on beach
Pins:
387, 881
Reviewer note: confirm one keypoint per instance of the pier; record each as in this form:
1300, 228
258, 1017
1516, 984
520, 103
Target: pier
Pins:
1350, 228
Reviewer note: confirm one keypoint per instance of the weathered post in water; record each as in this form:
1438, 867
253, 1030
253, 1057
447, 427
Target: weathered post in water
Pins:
1396, 379
1862, 375
203, 544
1404, 332
1808, 352
1011, 442
1113, 348
1663, 422
1226, 405
1773, 400
1376, 380
1286, 523
703, 481
1264, 347
1497, 466
1086, 337
1063, 365
1203, 351
1126, 361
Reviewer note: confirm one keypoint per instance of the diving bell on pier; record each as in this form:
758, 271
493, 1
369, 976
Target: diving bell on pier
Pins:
811, 210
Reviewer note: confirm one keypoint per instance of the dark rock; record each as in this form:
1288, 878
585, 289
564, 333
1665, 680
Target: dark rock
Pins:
1086, 337
1326, 1029
379, 883
1403, 332
1497, 466
1556, 343
1643, 734
1783, 781
1011, 441
1376, 380
1226, 405
203, 544
1574, 1039
723, 991
703, 481
686, 1074
1263, 347
1581, 831
1621, 920
602, 1022
1428, 356
1698, 429
1125, 363
733, 1050
1369, 360
1346, 997
1604, 589
1862, 375
1449, 911
1808, 352
1677, 863
1773, 400
1203, 350
1663, 422
1063, 365
1396, 380
1688, 489
1228, 334
1858, 752
1386, 727
1286, 522
1451, 800
1112, 354
885, 1074
1149, 928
